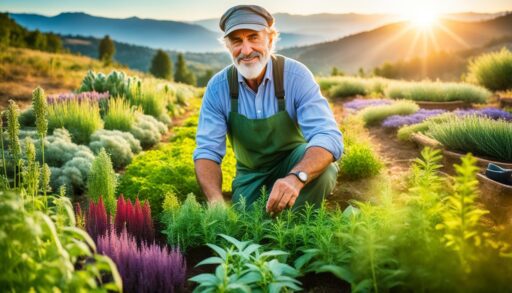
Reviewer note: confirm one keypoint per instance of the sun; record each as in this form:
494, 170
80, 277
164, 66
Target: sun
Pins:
422, 17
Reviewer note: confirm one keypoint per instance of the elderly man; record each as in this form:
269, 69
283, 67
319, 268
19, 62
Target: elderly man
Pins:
282, 130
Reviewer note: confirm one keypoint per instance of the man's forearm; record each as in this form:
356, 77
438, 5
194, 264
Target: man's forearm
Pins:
209, 176
314, 162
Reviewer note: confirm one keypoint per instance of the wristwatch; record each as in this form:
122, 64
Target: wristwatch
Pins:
301, 175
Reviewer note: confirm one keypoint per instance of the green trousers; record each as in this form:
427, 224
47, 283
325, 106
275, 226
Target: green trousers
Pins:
248, 184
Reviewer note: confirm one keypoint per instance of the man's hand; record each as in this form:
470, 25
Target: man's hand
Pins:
283, 194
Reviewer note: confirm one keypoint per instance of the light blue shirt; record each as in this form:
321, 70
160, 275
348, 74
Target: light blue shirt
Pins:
303, 102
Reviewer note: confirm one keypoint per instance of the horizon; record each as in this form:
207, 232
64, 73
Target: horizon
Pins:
180, 11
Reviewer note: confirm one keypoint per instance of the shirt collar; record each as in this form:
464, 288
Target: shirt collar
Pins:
267, 76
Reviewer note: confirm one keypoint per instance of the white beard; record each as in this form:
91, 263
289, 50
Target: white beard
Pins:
253, 70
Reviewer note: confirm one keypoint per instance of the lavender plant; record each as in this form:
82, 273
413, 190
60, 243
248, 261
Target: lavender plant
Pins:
359, 104
397, 121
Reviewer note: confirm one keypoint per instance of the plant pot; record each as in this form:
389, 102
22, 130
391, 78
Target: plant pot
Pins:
449, 106
497, 198
450, 158
422, 141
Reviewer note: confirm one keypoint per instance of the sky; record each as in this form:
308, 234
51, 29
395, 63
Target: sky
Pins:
201, 9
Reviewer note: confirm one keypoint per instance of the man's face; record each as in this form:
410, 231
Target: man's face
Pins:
250, 51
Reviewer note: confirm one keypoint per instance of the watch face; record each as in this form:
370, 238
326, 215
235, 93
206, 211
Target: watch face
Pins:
303, 176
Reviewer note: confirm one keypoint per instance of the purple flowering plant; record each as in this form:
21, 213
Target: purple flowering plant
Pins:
359, 104
397, 121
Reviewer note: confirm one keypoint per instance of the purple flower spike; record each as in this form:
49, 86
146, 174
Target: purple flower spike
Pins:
491, 113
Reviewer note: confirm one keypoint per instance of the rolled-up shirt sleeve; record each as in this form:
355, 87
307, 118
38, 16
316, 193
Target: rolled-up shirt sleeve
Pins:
315, 117
211, 129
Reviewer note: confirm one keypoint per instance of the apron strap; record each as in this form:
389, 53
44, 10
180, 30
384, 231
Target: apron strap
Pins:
278, 76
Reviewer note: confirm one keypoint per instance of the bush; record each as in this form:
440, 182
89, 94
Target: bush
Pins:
152, 100
70, 163
375, 114
478, 135
121, 146
28, 117
147, 130
437, 92
492, 70
120, 115
405, 132
81, 119
359, 161
359, 104
102, 182
348, 87
117, 83
396, 121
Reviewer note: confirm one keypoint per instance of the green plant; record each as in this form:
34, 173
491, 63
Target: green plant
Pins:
147, 130
478, 135
44, 251
359, 161
81, 119
117, 83
121, 146
437, 91
151, 99
375, 114
120, 115
348, 87
13, 129
492, 70
102, 181
242, 267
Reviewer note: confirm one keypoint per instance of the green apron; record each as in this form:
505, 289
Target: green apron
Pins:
267, 149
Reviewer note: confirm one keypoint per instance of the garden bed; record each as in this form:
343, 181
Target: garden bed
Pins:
450, 158
449, 106
505, 102
497, 197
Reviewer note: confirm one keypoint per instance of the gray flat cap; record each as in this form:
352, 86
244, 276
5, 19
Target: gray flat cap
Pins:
251, 17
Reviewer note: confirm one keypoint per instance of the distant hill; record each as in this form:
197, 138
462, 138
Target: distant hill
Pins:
398, 41
164, 34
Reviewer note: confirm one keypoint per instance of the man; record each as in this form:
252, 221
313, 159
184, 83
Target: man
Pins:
282, 130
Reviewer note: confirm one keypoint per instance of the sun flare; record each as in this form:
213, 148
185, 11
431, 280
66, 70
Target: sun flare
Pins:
422, 17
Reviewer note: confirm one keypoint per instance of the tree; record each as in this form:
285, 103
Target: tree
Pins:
36, 40
161, 65
182, 73
53, 43
107, 50
203, 79
336, 72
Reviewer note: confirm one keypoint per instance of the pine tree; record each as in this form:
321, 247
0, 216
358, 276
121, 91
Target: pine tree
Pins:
161, 65
203, 79
182, 73
107, 50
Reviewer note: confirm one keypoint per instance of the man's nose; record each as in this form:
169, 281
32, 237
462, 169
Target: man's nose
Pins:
246, 48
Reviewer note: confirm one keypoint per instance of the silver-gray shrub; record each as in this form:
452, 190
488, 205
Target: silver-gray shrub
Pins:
121, 146
148, 130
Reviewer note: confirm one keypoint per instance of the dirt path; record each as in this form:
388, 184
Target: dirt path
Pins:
396, 155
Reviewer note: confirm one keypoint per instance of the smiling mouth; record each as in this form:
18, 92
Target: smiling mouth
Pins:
247, 60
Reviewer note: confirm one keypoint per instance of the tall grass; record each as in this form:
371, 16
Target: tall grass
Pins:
151, 99
478, 135
120, 115
81, 119
375, 114
345, 86
437, 91
492, 70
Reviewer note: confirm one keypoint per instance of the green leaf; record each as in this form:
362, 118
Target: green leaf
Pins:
210, 261
205, 279
338, 271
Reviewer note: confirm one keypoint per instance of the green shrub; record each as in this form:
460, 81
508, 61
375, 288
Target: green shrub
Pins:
44, 251
478, 135
147, 130
81, 119
375, 114
405, 132
359, 161
102, 182
120, 115
28, 117
348, 87
437, 91
492, 70
121, 146
152, 100
117, 83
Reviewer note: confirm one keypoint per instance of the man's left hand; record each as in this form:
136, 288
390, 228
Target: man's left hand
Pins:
283, 194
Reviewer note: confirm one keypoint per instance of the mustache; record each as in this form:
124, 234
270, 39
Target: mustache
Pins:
251, 55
